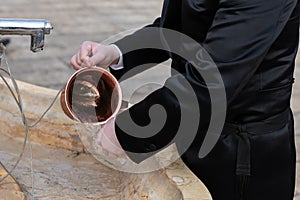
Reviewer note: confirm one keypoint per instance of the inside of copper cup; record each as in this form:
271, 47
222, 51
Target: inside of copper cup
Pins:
91, 96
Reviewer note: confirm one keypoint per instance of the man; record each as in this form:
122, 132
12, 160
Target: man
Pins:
254, 45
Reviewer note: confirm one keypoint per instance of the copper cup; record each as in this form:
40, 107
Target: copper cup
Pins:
92, 95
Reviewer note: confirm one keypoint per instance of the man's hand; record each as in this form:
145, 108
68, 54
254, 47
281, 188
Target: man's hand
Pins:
108, 141
95, 54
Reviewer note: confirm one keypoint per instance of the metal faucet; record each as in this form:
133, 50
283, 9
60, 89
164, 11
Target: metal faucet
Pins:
36, 28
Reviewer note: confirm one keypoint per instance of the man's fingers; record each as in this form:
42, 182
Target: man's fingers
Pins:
88, 62
113, 156
81, 58
109, 146
78, 60
91, 54
85, 51
74, 63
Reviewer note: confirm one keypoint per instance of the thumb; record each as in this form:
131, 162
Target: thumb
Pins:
89, 62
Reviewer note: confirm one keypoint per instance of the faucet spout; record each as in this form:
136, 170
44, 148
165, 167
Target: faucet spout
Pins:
36, 28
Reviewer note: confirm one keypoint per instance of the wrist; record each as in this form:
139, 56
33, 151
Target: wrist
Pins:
115, 54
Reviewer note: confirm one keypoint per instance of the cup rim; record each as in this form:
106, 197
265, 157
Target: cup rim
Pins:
93, 69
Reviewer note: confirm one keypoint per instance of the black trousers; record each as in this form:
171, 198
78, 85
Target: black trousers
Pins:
272, 159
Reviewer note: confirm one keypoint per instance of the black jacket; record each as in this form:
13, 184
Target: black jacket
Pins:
253, 43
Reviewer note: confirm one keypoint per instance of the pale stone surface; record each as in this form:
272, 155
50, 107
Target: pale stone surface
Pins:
65, 168
56, 129
9, 189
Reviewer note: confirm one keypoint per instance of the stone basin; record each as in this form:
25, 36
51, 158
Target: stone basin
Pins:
62, 169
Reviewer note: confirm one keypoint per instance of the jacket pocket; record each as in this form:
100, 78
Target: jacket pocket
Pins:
278, 87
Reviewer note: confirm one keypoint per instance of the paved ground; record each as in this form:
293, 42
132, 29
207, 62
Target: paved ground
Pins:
78, 20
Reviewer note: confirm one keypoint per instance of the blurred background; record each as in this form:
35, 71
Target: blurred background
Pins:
74, 22
78, 20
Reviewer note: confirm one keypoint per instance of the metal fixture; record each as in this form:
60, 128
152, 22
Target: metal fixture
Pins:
34, 27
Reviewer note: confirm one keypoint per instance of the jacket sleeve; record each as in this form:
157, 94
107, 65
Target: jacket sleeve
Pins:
240, 36
145, 46
134, 53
